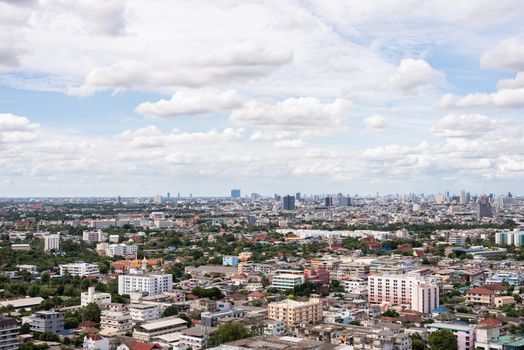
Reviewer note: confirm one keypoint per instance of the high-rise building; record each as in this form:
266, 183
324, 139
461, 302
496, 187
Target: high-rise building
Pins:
462, 197
158, 199
410, 290
52, 242
484, 209
168, 195
328, 201
235, 193
288, 202
515, 238
345, 201
298, 196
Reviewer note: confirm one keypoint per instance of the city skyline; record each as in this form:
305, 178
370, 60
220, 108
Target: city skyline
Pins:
123, 98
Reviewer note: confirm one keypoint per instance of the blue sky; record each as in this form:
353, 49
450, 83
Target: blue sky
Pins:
136, 97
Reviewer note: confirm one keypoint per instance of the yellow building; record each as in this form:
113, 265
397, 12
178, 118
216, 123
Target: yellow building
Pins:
293, 312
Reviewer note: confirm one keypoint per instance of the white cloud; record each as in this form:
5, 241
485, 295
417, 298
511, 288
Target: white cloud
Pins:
153, 137
415, 74
464, 126
191, 103
236, 62
516, 83
292, 113
505, 98
287, 144
14, 129
508, 55
375, 123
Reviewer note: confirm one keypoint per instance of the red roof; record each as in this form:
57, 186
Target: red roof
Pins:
490, 321
256, 294
136, 345
482, 291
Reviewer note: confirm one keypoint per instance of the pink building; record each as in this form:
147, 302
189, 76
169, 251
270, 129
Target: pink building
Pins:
410, 290
319, 275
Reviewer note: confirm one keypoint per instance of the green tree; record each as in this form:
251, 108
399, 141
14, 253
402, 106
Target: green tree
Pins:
91, 312
417, 343
442, 340
170, 311
228, 332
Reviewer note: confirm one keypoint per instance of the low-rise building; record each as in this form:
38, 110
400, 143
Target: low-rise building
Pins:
79, 268
287, 281
148, 330
8, 333
47, 322
91, 296
293, 312
144, 312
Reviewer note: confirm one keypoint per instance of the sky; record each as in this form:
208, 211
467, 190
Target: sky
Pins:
144, 97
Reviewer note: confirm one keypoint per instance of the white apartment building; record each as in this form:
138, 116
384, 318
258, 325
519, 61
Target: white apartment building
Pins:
52, 242
79, 268
91, 296
151, 284
121, 249
287, 281
144, 312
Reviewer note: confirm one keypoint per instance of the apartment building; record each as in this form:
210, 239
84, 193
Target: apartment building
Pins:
411, 290
287, 281
150, 284
117, 321
480, 296
79, 268
47, 322
293, 312
93, 236
144, 312
52, 242
8, 334
121, 250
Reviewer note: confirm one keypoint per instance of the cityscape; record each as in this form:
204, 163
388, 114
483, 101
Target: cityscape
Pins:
261, 175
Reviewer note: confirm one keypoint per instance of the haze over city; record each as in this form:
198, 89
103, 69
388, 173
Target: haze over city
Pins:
136, 98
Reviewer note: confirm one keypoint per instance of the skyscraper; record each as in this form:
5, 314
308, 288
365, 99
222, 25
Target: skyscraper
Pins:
297, 196
235, 193
328, 201
462, 197
484, 209
288, 202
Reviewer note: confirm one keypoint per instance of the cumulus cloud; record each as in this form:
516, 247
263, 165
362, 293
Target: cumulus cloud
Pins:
233, 63
375, 123
292, 113
14, 129
191, 103
505, 98
414, 74
508, 55
464, 126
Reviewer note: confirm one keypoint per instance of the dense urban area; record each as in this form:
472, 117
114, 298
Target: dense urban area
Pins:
291, 272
